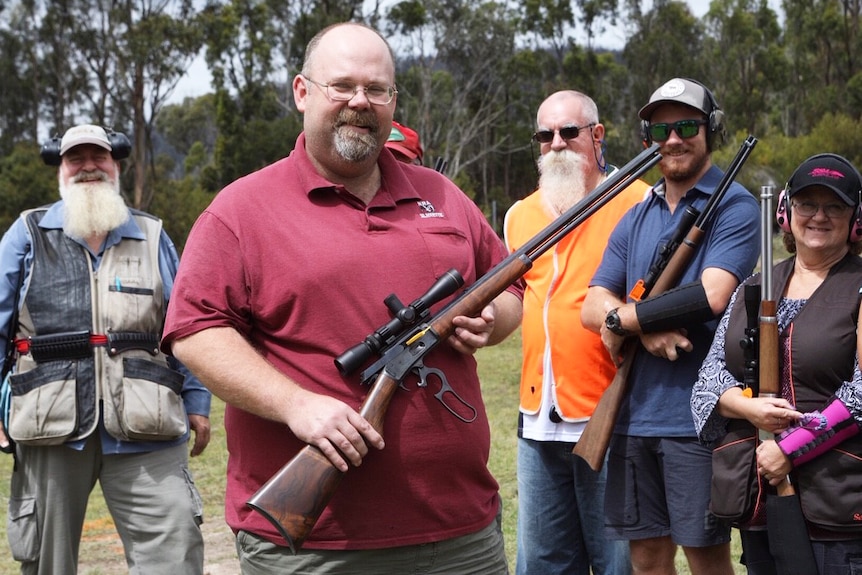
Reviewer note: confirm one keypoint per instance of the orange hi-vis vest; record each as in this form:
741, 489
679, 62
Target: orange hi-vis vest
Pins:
556, 287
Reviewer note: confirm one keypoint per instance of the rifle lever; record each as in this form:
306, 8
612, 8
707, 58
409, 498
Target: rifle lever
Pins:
423, 372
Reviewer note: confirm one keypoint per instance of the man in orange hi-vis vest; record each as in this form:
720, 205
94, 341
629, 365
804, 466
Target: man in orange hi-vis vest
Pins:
565, 368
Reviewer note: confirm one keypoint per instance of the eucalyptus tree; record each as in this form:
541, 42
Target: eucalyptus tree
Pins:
42, 80
749, 69
665, 42
454, 89
154, 42
824, 43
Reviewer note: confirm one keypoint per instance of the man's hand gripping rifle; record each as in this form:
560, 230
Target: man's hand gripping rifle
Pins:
293, 499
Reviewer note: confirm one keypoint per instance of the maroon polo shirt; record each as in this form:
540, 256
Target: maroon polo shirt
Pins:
301, 268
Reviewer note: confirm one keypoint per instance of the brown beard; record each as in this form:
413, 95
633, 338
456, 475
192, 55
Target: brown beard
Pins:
92, 207
675, 171
562, 181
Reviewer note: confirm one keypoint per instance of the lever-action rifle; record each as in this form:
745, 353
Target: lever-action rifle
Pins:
293, 499
785, 522
594, 441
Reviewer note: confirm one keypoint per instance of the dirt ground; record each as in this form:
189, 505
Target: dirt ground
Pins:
106, 552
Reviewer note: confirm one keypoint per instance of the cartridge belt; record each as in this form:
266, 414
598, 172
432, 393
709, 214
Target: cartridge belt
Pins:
80, 344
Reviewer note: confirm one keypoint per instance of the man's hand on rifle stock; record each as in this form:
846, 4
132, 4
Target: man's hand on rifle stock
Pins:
332, 426
666, 344
495, 322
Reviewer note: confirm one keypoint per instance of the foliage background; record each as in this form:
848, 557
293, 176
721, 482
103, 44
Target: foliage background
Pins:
470, 77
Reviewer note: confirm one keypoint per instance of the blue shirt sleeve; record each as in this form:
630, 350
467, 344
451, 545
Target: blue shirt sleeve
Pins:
14, 249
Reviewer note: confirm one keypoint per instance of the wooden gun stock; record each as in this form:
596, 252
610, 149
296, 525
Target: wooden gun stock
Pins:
594, 441
293, 499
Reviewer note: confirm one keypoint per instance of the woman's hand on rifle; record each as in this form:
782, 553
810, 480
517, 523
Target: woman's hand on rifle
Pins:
772, 414
772, 463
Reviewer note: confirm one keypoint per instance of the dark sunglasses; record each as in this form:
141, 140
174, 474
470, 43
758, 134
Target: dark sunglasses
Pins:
567, 133
684, 128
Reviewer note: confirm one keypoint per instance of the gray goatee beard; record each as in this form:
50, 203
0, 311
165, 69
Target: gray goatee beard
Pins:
562, 181
92, 207
355, 147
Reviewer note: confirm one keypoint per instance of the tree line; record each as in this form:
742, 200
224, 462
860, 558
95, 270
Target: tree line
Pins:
470, 77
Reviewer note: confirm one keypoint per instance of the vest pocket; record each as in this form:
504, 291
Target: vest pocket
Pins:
150, 407
43, 409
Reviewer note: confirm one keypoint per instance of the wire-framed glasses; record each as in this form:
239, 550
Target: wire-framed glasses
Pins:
808, 209
344, 91
566, 132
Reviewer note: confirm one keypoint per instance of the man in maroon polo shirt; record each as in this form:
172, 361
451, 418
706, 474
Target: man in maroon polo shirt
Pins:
287, 268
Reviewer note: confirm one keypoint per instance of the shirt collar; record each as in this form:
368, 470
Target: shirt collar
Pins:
706, 185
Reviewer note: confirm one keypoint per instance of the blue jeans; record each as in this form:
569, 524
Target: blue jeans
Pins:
561, 516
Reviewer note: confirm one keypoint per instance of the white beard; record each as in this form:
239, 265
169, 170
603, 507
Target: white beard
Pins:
93, 208
562, 180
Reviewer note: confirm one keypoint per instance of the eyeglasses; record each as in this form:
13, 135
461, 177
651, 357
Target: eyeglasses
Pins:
567, 133
809, 209
345, 91
685, 129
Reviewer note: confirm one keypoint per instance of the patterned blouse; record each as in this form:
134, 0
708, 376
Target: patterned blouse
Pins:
714, 378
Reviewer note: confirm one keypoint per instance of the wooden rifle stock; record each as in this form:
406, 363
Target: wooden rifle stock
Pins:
594, 441
293, 499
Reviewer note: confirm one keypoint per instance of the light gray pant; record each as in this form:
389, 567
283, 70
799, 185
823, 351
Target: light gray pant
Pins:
151, 496
480, 553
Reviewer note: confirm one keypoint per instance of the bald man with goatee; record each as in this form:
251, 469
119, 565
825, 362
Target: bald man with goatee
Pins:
565, 367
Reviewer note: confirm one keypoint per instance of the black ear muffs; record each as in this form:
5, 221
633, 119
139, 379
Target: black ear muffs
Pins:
121, 147
782, 210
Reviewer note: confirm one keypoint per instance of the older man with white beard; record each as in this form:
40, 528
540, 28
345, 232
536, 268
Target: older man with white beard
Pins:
565, 368
84, 287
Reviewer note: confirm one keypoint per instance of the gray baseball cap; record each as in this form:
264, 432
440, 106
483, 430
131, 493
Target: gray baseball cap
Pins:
681, 91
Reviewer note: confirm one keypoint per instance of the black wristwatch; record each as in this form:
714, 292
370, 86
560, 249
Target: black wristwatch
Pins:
613, 323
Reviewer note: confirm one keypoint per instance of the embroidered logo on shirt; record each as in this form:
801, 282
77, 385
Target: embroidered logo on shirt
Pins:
427, 210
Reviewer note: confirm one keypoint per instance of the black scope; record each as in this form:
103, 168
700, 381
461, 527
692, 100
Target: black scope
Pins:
403, 318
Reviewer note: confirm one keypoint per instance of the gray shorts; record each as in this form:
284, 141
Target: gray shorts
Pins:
659, 487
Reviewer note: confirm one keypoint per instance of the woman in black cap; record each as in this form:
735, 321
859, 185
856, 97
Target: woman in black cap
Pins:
817, 413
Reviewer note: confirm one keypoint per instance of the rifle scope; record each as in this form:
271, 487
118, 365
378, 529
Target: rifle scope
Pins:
403, 317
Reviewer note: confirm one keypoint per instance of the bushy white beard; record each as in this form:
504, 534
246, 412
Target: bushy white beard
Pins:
94, 207
562, 181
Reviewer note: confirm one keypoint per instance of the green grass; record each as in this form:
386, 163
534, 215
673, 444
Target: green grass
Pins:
499, 369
